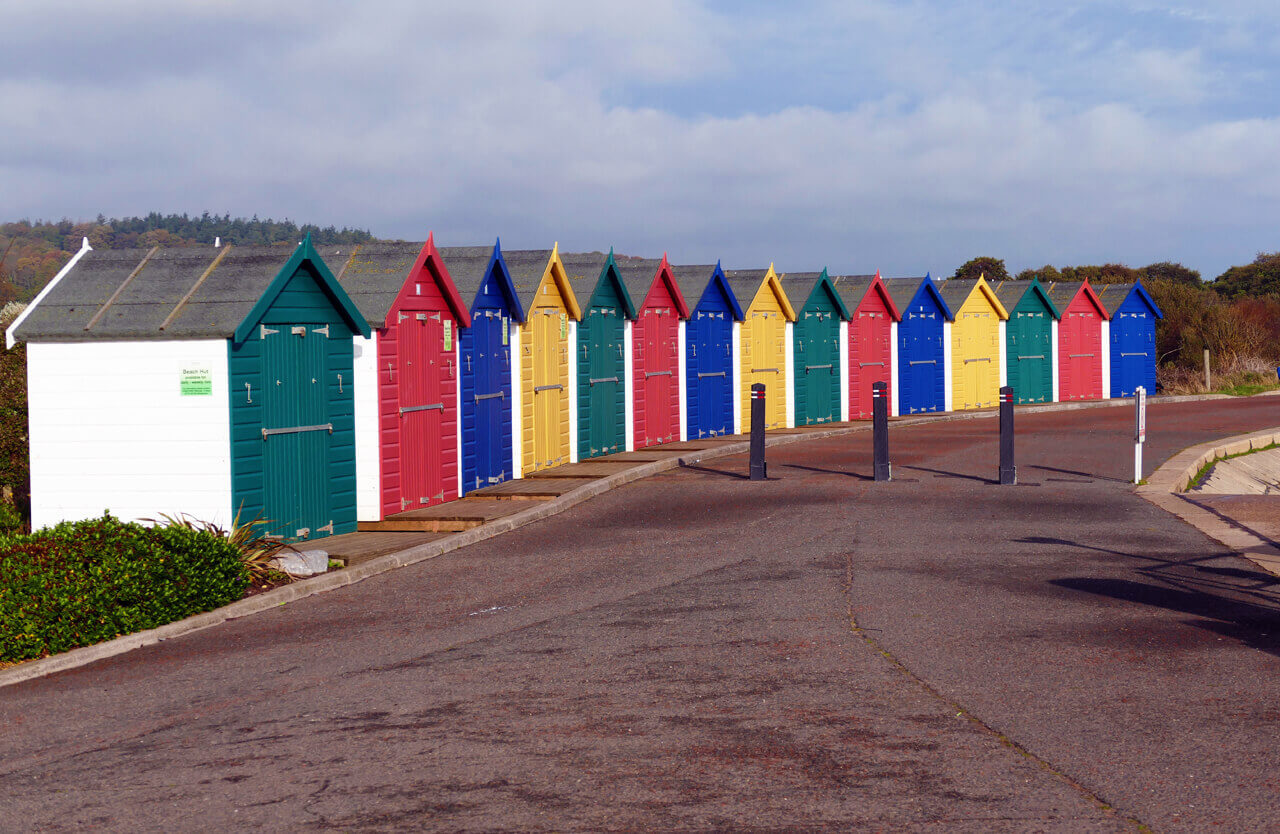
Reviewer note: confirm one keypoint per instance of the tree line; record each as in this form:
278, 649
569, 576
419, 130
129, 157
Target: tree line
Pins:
1236, 316
32, 252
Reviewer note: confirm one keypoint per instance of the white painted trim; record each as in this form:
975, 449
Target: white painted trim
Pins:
110, 430
789, 384
844, 371
9, 340
948, 377
368, 439
457, 358
737, 377
572, 332
1053, 365
1004, 356
517, 410
1106, 359
629, 391
895, 403
684, 388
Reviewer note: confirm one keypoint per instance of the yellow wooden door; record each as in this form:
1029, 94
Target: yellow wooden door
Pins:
546, 398
764, 360
975, 358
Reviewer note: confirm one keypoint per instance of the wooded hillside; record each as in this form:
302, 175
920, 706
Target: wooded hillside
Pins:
32, 252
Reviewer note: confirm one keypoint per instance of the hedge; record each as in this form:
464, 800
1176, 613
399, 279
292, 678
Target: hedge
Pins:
84, 582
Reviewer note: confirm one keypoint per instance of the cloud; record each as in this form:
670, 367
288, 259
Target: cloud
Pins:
668, 126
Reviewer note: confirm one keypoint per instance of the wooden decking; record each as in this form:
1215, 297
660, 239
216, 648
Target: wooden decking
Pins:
526, 489
450, 517
354, 548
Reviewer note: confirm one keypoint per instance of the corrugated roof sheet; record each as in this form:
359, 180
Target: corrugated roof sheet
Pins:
585, 269
1063, 292
373, 275
638, 274
852, 288
527, 267
1113, 295
745, 283
217, 306
955, 291
902, 290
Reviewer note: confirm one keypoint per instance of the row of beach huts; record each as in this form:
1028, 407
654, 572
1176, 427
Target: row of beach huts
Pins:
321, 386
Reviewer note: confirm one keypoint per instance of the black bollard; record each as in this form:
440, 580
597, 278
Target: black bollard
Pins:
1008, 472
758, 470
880, 430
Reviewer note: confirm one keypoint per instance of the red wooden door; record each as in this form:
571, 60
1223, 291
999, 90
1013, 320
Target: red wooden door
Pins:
1080, 355
658, 410
869, 355
427, 410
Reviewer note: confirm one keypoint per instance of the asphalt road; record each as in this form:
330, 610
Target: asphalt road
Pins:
697, 651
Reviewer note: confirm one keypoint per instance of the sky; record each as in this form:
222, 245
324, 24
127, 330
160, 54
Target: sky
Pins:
854, 135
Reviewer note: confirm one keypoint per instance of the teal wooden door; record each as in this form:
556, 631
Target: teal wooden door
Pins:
1030, 354
817, 361
296, 431
601, 391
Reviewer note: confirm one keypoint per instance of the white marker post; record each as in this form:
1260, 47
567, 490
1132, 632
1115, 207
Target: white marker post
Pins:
1139, 430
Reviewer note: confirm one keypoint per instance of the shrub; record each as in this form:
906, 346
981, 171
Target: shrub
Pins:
83, 582
14, 469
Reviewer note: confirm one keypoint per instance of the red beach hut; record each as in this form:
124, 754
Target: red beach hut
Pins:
1081, 365
871, 339
657, 350
407, 376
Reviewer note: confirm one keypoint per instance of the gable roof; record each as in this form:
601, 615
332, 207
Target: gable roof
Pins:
527, 268
198, 292
904, 290
590, 270
710, 278
807, 285
956, 292
1065, 292
375, 274
747, 283
1011, 294
640, 274
469, 266
1113, 296
854, 289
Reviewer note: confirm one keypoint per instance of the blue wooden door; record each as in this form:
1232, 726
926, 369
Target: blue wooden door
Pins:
486, 395
1132, 352
921, 376
709, 366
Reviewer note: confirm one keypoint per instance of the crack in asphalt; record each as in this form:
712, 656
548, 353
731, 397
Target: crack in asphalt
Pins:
962, 712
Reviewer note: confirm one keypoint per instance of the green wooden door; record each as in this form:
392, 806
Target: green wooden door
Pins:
601, 391
817, 363
296, 431
1030, 355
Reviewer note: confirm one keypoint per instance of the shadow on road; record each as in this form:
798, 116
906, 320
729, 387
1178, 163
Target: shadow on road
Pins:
1256, 625
822, 471
742, 476
1077, 472
944, 474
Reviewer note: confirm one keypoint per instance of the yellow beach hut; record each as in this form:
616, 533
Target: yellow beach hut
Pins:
977, 343
546, 391
765, 345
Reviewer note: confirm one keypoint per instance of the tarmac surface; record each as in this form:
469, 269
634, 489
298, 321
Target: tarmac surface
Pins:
696, 651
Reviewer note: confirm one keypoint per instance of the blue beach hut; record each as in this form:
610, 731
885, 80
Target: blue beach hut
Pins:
480, 273
709, 351
923, 369
1133, 337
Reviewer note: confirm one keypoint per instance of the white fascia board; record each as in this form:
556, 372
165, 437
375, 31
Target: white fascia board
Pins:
684, 387
572, 332
1004, 356
517, 411
9, 340
948, 373
737, 377
894, 400
789, 368
367, 427
629, 388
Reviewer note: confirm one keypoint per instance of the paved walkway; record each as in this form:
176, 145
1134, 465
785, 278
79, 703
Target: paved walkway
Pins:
813, 652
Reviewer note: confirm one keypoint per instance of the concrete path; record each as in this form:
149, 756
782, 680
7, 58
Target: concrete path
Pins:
695, 651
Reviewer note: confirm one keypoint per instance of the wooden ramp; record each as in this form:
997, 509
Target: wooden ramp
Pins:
526, 489
355, 548
451, 517
590, 469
